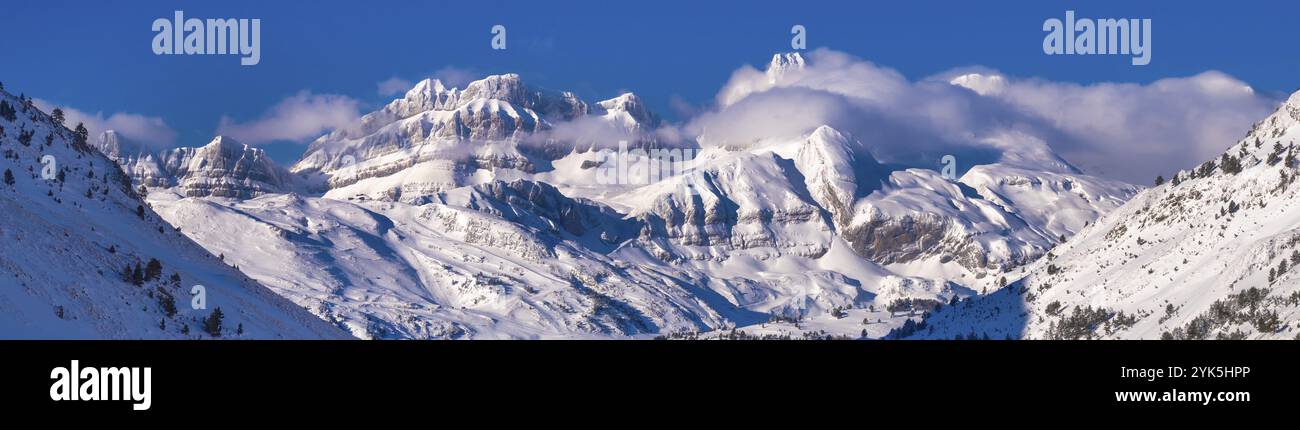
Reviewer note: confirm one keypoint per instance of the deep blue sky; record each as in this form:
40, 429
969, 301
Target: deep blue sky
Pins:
96, 56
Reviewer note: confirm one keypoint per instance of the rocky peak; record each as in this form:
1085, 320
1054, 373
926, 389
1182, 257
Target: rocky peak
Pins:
223, 168
783, 63
632, 105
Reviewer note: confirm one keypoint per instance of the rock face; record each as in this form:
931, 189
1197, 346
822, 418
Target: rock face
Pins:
453, 135
225, 168
136, 160
222, 168
627, 110
541, 206
745, 201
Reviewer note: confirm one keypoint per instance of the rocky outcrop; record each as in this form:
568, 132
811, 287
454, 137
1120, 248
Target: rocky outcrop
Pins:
222, 168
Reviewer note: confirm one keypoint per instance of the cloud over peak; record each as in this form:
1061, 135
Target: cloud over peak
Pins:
297, 118
1126, 131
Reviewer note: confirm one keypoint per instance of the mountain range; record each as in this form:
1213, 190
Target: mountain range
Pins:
485, 212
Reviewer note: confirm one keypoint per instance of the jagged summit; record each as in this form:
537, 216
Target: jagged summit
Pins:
426, 86
637, 114
229, 144
223, 167
113, 144
782, 63
456, 132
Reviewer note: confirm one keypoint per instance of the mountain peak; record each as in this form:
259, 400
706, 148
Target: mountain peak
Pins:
980, 83
1292, 101
631, 105
426, 86
226, 142
114, 145
784, 62
827, 133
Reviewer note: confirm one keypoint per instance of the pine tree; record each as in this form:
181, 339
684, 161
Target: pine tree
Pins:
137, 275
167, 301
212, 324
1160, 180
7, 111
1230, 164
57, 115
153, 270
139, 211
81, 135
9, 177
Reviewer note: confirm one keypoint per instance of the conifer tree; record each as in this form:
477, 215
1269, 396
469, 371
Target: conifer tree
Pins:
212, 324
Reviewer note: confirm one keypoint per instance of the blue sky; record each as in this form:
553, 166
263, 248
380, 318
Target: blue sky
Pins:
95, 56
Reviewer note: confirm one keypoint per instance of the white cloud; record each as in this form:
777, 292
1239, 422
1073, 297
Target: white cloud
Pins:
300, 117
1125, 131
393, 86
150, 130
455, 76
1138, 131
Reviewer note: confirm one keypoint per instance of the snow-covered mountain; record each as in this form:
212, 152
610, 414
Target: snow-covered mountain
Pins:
86, 257
436, 138
487, 212
1210, 253
441, 217
222, 168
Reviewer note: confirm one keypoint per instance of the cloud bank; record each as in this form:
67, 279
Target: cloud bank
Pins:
149, 130
1125, 131
297, 118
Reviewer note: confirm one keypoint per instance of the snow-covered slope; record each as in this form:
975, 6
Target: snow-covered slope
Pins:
72, 225
515, 263
1211, 253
